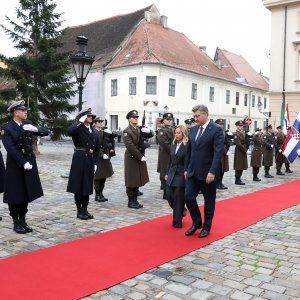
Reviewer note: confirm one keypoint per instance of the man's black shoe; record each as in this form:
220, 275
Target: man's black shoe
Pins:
279, 173
192, 230
26, 227
288, 171
18, 228
203, 233
177, 225
256, 179
268, 176
221, 187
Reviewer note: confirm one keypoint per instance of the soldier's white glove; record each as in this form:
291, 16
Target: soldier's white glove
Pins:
272, 146
29, 127
144, 159
95, 168
249, 133
83, 118
248, 151
107, 131
145, 129
27, 166
228, 153
280, 151
298, 152
105, 156
229, 133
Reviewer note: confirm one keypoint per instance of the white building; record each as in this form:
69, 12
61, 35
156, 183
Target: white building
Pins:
142, 64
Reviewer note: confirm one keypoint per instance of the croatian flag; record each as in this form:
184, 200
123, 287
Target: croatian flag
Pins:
291, 147
297, 122
286, 121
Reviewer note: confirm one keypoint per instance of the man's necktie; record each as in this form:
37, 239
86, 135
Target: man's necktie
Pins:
199, 133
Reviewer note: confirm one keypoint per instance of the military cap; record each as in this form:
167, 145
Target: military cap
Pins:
85, 112
257, 129
98, 119
269, 127
279, 127
168, 116
132, 113
189, 121
219, 121
239, 123
17, 105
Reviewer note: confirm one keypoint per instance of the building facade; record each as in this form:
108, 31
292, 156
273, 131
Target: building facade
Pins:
285, 57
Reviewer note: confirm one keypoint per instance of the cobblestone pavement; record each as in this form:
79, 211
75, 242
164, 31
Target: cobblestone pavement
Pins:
259, 262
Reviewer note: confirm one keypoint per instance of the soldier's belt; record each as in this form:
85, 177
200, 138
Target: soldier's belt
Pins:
84, 149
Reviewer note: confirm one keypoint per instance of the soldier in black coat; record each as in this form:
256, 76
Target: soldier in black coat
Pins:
2, 175
84, 161
21, 168
106, 151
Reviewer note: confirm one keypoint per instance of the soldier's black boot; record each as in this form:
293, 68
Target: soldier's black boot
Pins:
140, 193
133, 203
255, 178
279, 172
221, 186
18, 228
100, 198
85, 211
0, 218
288, 170
267, 174
23, 223
80, 214
238, 181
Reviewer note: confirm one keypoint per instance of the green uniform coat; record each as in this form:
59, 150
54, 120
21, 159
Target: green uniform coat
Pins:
240, 152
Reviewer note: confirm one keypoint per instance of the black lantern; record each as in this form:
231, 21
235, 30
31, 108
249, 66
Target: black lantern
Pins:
82, 64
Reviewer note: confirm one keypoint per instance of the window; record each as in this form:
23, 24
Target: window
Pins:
265, 103
132, 85
246, 100
151, 85
194, 91
233, 110
237, 98
259, 100
211, 94
253, 101
227, 96
172, 83
255, 125
114, 87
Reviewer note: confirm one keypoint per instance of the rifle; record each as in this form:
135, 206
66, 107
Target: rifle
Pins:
144, 137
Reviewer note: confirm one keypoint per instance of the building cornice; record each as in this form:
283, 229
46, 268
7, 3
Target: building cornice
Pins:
275, 3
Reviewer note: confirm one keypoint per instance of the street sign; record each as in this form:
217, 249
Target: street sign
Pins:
248, 121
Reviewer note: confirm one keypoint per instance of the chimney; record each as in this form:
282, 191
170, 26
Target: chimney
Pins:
163, 21
203, 48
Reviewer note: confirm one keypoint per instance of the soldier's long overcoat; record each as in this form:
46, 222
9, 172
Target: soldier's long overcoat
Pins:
256, 155
165, 138
104, 168
136, 173
240, 153
84, 159
2, 173
267, 149
279, 157
21, 186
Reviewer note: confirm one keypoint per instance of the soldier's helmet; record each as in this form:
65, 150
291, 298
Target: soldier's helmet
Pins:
131, 114
85, 112
239, 123
189, 121
220, 122
168, 116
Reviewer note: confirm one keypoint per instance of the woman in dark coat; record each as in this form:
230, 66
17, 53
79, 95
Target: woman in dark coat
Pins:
21, 168
84, 161
175, 175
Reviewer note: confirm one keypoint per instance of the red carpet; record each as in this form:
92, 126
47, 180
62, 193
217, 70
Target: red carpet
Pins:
79, 268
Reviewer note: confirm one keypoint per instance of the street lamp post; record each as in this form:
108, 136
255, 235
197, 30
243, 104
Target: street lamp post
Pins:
81, 63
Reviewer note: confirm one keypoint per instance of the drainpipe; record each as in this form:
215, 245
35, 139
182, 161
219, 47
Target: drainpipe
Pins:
284, 54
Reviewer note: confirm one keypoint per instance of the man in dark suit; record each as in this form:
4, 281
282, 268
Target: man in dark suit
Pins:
202, 167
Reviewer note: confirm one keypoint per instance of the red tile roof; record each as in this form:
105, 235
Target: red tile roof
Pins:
7, 84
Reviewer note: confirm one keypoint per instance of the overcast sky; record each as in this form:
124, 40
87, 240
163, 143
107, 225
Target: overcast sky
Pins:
239, 26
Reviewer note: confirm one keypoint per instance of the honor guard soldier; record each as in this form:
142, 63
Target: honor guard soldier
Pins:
22, 181
165, 136
84, 161
106, 150
136, 173
287, 163
224, 159
240, 153
189, 123
279, 157
268, 150
256, 154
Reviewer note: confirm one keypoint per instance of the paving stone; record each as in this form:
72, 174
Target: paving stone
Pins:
240, 296
263, 277
136, 296
274, 296
178, 288
120, 289
182, 279
202, 295
201, 284
220, 290
234, 284
274, 288
170, 297
253, 291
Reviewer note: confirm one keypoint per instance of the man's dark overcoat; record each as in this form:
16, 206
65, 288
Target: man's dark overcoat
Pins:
136, 173
84, 159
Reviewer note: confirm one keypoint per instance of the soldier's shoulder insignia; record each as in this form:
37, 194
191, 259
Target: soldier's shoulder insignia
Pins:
161, 133
2, 132
264, 136
125, 133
